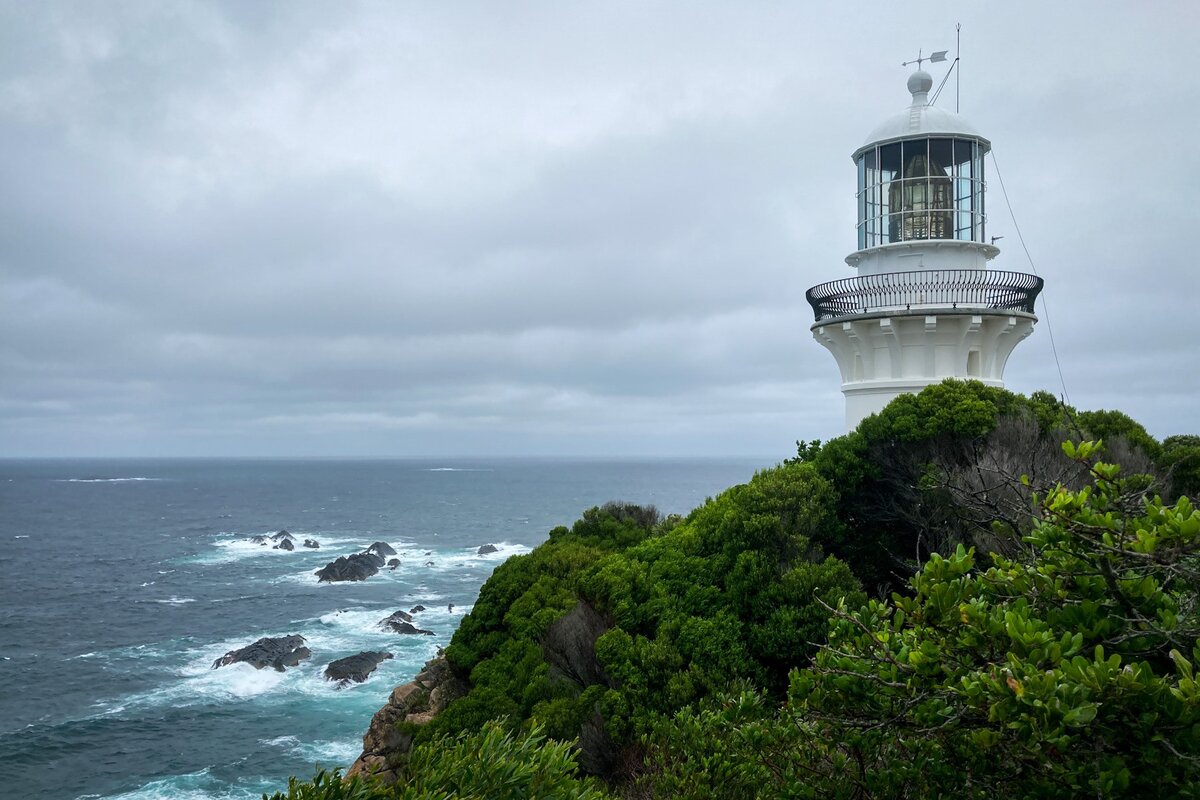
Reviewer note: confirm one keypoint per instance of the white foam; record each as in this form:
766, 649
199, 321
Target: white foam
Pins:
191, 786
21, 537
457, 469
175, 601
103, 480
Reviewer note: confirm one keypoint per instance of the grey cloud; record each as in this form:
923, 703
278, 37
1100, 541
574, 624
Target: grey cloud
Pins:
251, 229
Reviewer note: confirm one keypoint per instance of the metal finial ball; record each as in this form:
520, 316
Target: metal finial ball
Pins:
920, 81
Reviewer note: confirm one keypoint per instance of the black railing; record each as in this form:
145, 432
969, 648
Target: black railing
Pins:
934, 288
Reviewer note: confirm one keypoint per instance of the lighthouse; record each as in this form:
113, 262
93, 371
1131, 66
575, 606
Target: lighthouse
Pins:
926, 304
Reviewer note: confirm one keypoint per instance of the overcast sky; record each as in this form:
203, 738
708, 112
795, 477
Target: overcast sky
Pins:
395, 229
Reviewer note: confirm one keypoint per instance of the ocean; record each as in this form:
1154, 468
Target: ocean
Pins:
121, 581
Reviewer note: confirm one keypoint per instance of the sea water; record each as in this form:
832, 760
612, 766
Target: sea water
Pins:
121, 581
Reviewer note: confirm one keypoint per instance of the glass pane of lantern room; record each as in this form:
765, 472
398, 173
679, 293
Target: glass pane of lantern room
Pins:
862, 202
916, 155
980, 216
889, 170
941, 156
963, 157
889, 161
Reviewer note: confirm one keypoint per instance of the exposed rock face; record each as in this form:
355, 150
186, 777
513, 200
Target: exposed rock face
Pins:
381, 549
398, 616
416, 609
259, 539
313, 543
284, 651
402, 623
355, 567
384, 747
487, 548
355, 668
393, 563
285, 544
282, 535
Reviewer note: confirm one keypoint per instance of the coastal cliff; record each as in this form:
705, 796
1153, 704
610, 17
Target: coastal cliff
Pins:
389, 737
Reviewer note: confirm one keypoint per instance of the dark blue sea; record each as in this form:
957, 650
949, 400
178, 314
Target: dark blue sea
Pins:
122, 580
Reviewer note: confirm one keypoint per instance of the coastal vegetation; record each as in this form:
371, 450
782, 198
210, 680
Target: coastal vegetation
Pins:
964, 597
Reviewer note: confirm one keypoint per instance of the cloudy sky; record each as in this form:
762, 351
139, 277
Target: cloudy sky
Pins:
393, 229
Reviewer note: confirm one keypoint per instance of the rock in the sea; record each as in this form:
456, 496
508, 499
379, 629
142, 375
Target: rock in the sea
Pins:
381, 549
408, 627
285, 544
354, 567
355, 668
395, 618
313, 543
429, 563
415, 609
284, 651
393, 563
487, 548
283, 534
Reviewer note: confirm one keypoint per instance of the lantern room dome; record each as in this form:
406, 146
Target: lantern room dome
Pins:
921, 119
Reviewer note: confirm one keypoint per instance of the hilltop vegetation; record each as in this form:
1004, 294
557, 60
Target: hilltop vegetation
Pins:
948, 601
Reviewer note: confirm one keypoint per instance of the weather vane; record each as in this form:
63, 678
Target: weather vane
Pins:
937, 56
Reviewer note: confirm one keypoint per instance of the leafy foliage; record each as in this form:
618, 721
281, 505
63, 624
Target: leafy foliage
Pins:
1070, 672
664, 614
490, 764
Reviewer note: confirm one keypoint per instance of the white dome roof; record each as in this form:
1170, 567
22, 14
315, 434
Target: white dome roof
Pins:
921, 119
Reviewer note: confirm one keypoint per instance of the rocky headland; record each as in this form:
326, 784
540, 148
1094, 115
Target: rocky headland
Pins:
387, 741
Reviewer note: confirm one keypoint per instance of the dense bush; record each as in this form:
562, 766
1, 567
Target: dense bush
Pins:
490, 764
1067, 673
624, 618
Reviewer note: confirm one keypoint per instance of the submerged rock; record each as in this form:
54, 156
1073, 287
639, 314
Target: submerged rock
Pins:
355, 668
355, 567
381, 549
313, 543
285, 544
284, 651
487, 548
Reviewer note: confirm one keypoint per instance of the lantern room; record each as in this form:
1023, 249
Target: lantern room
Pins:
920, 184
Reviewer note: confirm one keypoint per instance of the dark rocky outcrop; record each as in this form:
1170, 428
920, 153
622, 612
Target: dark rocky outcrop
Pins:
284, 651
398, 616
401, 622
487, 548
285, 544
385, 744
259, 539
282, 535
393, 563
381, 549
313, 543
355, 567
355, 668
415, 609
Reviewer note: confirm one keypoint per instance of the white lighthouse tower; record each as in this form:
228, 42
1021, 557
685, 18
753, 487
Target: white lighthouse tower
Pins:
924, 306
